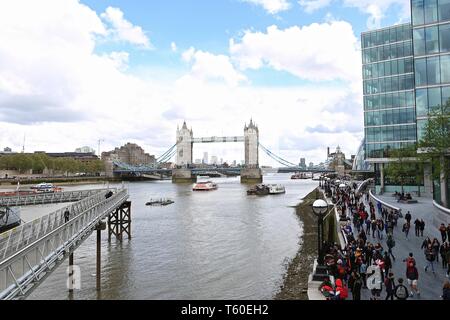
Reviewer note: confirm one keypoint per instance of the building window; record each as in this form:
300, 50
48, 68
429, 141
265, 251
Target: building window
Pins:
444, 37
432, 39
445, 95
421, 102
444, 10
419, 41
417, 12
433, 72
430, 9
420, 72
434, 99
445, 69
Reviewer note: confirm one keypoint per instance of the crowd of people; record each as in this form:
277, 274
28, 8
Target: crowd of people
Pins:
367, 259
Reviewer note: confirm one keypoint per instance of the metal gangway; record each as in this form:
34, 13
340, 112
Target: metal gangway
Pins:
30, 252
46, 198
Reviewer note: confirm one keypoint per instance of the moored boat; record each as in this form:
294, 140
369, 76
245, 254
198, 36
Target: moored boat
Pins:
259, 189
276, 189
159, 202
205, 186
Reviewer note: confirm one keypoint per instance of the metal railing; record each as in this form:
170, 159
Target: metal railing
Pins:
32, 251
45, 198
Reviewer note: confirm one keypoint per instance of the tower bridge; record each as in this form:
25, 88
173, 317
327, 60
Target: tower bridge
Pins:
251, 173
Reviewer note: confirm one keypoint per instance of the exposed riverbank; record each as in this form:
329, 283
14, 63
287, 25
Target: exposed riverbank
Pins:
295, 282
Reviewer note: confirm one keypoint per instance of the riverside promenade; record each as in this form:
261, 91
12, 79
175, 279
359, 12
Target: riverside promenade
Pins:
430, 285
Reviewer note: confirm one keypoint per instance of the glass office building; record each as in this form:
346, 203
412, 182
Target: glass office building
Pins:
389, 101
406, 75
431, 38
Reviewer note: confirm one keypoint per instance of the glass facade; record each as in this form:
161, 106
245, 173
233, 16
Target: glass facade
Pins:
389, 82
431, 39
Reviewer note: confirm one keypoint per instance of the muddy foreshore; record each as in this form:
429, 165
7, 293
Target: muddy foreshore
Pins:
295, 280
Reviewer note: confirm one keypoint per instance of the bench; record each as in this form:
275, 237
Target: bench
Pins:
408, 201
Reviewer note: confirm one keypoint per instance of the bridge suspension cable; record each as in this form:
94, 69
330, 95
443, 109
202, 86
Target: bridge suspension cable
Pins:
277, 158
166, 153
167, 157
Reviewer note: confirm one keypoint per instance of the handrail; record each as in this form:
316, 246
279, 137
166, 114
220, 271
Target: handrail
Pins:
383, 202
49, 221
49, 250
59, 228
443, 209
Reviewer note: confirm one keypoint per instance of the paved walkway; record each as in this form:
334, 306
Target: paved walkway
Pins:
430, 285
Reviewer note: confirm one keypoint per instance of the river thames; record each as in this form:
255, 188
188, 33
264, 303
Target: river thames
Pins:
220, 244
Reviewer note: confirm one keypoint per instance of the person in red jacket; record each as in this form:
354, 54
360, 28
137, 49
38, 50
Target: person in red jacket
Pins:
341, 290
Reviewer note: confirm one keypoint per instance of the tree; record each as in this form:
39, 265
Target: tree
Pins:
434, 145
405, 167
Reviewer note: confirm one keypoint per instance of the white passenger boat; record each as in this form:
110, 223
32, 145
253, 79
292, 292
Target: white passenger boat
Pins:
204, 186
276, 188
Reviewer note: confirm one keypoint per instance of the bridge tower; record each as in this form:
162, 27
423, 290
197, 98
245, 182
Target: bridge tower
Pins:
183, 173
184, 147
251, 173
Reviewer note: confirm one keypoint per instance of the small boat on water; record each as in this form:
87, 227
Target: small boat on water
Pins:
259, 189
205, 186
45, 187
300, 175
159, 202
9, 218
276, 189
265, 189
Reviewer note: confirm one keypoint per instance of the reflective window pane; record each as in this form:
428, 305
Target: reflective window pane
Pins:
434, 99
433, 72
420, 72
445, 69
444, 10
444, 37
419, 41
417, 12
445, 95
421, 102
432, 39
430, 8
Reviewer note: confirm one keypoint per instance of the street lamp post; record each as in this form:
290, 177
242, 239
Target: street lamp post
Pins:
320, 208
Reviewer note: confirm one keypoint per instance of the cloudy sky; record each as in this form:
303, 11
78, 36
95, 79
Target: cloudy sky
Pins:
73, 72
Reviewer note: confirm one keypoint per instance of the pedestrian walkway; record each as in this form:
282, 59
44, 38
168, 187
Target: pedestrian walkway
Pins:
430, 285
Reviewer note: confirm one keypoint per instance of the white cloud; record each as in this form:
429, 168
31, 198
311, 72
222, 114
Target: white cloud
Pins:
62, 95
173, 47
312, 5
272, 6
316, 52
123, 30
378, 10
208, 66
120, 59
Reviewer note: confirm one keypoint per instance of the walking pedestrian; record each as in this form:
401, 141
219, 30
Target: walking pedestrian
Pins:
435, 245
425, 244
446, 291
356, 289
401, 292
405, 229
443, 231
66, 215
422, 227
443, 252
408, 217
417, 226
389, 283
412, 274
390, 244
429, 256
